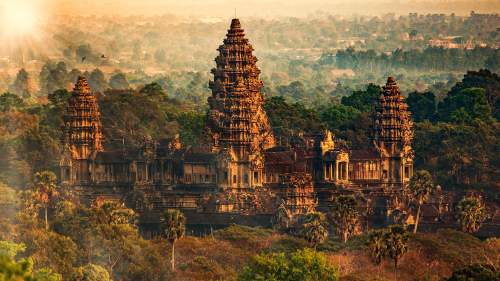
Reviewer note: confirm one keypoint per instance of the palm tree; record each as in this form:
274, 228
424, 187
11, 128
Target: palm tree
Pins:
314, 229
471, 213
421, 187
45, 188
173, 224
396, 241
283, 216
344, 216
377, 246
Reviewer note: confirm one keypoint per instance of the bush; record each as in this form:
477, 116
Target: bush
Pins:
476, 272
302, 265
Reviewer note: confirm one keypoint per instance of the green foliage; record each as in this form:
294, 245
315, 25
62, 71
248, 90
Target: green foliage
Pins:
9, 196
464, 106
288, 119
420, 187
53, 77
396, 241
91, 272
303, 265
486, 80
422, 106
11, 249
295, 90
283, 217
430, 58
59, 98
13, 271
131, 115
363, 101
476, 272
22, 86
314, 228
46, 274
10, 101
337, 115
457, 154
173, 224
344, 216
471, 213
377, 245
237, 233
191, 127
119, 81
45, 190
97, 81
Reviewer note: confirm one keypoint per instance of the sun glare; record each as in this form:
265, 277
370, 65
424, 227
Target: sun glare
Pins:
19, 18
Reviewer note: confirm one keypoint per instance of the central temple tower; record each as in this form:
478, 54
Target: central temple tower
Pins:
82, 133
393, 134
237, 123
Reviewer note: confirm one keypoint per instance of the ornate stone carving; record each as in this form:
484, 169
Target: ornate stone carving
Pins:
82, 130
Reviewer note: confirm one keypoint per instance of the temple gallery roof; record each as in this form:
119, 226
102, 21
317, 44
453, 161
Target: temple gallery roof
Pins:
199, 157
364, 154
279, 157
110, 157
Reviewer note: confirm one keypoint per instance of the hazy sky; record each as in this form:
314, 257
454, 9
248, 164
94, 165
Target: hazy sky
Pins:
269, 8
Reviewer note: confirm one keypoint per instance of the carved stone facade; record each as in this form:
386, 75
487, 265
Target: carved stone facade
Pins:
243, 171
297, 192
82, 132
393, 134
236, 120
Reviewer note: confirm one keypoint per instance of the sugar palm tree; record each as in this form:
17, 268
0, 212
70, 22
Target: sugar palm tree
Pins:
283, 216
420, 188
344, 216
45, 189
173, 224
314, 229
396, 241
471, 213
378, 248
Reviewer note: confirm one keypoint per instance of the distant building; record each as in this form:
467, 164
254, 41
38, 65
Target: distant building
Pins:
450, 42
242, 170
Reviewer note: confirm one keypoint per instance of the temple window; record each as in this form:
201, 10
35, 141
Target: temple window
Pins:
407, 172
256, 176
245, 178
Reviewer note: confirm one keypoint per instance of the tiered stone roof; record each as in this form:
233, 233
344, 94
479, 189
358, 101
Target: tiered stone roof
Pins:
237, 118
392, 119
82, 121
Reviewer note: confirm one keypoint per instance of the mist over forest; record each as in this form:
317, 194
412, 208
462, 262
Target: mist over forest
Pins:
323, 65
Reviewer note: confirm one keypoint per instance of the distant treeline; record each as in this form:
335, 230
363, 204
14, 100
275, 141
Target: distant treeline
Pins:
431, 58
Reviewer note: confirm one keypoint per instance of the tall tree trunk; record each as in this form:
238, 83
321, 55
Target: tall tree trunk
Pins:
396, 269
46, 219
417, 219
344, 236
173, 256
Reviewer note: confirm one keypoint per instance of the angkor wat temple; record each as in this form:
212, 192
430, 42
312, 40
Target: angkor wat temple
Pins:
242, 174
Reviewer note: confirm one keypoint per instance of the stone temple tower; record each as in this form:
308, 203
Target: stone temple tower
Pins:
237, 123
393, 134
82, 133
